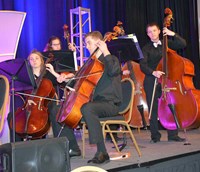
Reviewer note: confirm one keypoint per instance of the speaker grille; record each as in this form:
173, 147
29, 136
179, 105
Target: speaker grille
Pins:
45, 155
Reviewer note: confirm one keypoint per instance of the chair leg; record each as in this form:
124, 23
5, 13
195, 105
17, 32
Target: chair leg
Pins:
123, 145
103, 131
112, 137
134, 141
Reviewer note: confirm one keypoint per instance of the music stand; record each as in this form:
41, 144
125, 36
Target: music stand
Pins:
20, 78
63, 60
125, 48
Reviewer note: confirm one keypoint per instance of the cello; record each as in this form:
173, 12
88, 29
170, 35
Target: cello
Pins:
87, 79
140, 109
32, 121
179, 104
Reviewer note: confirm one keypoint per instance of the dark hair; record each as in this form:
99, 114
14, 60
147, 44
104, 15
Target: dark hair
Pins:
152, 24
48, 47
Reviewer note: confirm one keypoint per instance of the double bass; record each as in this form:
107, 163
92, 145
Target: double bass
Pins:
140, 109
32, 121
179, 104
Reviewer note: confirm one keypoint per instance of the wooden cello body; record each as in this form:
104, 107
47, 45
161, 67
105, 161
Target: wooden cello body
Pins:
69, 112
140, 109
178, 106
33, 120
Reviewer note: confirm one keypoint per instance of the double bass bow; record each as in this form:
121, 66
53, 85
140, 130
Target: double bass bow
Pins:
178, 106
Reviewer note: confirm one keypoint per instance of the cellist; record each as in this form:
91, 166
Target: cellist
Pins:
152, 52
36, 62
107, 95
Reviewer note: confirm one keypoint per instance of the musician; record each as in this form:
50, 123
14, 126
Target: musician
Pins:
106, 97
37, 64
53, 108
54, 44
152, 52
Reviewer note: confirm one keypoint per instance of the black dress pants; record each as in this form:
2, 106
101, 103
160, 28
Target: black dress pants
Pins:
92, 112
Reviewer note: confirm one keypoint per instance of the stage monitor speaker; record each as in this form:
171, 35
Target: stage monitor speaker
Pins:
44, 155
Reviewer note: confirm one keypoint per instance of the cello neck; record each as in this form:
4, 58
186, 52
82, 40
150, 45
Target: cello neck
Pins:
43, 72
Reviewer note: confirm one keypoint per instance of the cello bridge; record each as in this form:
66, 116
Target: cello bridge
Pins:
39, 104
167, 89
180, 88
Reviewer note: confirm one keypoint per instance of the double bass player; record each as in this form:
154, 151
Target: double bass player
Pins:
152, 52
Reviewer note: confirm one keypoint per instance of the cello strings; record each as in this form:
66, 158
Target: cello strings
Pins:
31, 95
85, 76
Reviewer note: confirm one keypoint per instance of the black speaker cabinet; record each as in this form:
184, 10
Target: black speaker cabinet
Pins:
44, 155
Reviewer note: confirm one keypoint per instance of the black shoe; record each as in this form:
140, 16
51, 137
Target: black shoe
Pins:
176, 139
100, 158
74, 152
155, 139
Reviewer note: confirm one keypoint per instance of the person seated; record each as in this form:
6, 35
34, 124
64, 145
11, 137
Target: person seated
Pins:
37, 65
54, 44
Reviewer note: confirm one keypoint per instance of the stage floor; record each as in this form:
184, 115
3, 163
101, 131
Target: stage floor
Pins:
150, 151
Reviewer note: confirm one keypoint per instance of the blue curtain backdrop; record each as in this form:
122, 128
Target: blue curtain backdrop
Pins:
46, 18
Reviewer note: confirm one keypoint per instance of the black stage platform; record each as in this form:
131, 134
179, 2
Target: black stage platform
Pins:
163, 156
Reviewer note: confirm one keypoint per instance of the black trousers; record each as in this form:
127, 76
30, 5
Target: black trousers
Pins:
148, 87
92, 112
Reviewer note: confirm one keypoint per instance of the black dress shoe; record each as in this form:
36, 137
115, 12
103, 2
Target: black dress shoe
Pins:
100, 158
176, 139
155, 139
74, 152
